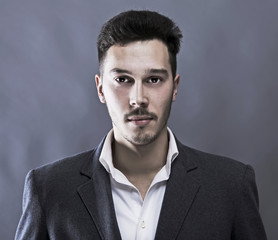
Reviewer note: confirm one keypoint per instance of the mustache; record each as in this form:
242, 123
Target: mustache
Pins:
140, 112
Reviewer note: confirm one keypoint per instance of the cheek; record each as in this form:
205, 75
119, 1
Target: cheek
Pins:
109, 91
164, 97
115, 97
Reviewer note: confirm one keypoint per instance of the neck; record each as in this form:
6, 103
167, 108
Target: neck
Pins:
141, 160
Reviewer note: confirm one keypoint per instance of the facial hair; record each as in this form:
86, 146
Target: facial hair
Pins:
142, 138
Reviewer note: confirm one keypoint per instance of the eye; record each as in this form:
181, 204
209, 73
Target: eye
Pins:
122, 80
154, 80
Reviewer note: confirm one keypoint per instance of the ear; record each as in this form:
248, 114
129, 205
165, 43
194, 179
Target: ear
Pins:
175, 90
98, 81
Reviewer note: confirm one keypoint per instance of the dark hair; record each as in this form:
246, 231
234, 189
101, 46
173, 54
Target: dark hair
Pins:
132, 26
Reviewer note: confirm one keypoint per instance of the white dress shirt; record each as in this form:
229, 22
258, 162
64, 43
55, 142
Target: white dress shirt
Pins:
137, 219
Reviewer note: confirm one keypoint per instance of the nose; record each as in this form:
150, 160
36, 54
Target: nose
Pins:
138, 96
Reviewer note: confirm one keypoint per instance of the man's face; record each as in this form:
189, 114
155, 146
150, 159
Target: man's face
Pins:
138, 88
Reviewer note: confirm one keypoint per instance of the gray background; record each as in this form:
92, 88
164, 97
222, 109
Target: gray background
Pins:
227, 101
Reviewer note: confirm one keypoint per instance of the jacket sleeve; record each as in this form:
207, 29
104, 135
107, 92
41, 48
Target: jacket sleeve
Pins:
32, 223
248, 224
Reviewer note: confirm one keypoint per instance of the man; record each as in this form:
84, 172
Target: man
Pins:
140, 182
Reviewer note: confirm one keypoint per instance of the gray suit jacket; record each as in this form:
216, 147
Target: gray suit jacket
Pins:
207, 198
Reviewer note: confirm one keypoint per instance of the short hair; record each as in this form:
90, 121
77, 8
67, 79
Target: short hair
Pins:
142, 25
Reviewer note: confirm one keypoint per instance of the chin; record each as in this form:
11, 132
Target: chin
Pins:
142, 139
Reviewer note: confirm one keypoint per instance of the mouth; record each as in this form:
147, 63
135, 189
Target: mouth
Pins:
140, 120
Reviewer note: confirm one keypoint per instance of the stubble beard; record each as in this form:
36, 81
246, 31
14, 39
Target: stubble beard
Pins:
142, 137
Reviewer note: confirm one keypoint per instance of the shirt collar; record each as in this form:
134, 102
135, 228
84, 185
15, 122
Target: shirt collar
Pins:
106, 153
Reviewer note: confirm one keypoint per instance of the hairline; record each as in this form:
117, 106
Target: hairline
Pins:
102, 60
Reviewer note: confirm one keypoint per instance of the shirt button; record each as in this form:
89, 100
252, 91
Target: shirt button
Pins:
143, 224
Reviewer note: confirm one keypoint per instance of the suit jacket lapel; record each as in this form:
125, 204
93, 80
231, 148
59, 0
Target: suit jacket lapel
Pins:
180, 193
97, 196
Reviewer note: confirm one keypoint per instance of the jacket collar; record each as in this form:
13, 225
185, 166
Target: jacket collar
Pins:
181, 190
96, 194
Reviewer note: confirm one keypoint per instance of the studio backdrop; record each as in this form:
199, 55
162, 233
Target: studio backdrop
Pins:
227, 101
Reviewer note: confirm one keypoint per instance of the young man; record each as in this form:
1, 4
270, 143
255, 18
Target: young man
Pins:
140, 182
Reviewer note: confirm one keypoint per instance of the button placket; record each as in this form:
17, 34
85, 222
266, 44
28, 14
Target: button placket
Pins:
136, 204
143, 225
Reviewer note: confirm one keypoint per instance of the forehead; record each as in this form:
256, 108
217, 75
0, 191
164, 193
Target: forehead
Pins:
138, 56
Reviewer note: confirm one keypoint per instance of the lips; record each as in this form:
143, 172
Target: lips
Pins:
140, 120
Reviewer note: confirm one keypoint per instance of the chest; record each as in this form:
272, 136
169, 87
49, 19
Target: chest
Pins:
137, 218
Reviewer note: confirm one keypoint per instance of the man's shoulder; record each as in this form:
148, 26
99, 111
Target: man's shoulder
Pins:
63, 169
207, 158
57, 182
213, 165
67, 163
60, 178
217, 174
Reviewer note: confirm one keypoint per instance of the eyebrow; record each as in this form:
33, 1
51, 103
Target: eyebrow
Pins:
157, 71
147, 71
119, 70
